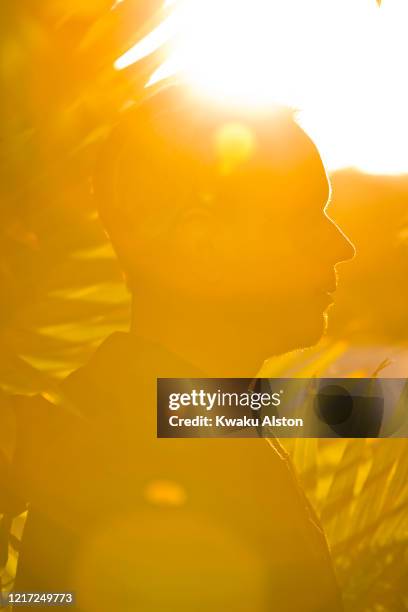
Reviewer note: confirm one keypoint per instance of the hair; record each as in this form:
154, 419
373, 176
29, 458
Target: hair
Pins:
163, 155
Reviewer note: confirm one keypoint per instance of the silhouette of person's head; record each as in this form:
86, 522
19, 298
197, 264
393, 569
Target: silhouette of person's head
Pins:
219, 220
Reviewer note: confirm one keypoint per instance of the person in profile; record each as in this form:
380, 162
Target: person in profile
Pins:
218, 218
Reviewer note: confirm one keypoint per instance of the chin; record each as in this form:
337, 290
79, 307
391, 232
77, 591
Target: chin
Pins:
299, 324
313, 330
305, 332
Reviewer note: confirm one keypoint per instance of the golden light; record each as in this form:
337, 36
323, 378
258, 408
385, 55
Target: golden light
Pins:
235, 143
340, 62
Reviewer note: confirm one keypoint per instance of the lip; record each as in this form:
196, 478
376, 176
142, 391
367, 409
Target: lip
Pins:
326, 290
328, 297
324, 295
329, 288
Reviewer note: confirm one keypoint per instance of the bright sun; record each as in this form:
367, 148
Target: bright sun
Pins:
341, 63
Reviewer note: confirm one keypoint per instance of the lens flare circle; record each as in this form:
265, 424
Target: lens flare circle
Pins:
341, 63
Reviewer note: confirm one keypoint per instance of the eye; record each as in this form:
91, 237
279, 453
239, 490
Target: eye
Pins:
198, 215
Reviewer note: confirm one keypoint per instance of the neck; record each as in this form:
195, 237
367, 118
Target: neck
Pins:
216, 344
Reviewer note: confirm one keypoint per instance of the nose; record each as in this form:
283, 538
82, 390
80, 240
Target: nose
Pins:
340, 245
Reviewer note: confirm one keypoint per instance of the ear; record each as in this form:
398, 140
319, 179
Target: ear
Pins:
194, 232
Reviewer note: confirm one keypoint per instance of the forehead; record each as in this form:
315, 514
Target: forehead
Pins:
246, 160
283, 164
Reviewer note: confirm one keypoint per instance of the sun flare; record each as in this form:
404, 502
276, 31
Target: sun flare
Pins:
340, 63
